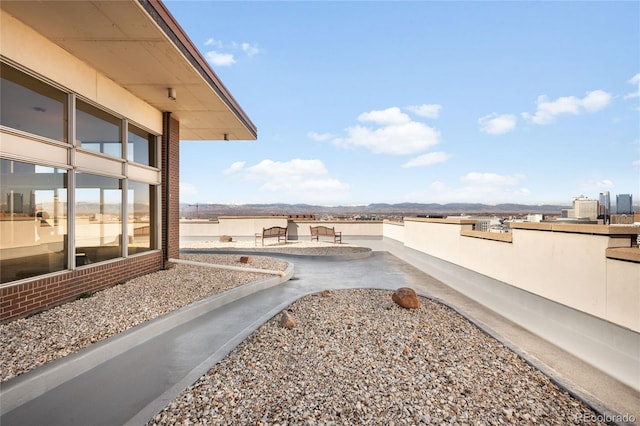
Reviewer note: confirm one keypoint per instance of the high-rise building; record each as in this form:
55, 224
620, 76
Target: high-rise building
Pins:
605, 207
584, 207
623, 204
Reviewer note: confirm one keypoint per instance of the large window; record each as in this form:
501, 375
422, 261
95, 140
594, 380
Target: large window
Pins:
141, 146
98, 230
140, 232
31, 105
41, 232
97, 130
33, 220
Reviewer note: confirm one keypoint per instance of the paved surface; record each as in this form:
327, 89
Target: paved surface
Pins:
131, 387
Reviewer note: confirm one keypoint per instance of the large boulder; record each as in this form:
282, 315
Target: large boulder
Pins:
406, 297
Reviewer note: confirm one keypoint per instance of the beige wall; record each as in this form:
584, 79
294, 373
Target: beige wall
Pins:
393, 230
247, 226
622, 293
27, 47
564, 264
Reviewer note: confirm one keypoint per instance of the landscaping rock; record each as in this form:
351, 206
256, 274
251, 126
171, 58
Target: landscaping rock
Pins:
406, 297
287, 320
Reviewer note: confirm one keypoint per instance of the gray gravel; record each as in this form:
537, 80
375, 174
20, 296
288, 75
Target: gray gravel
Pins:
354, 357
30, 342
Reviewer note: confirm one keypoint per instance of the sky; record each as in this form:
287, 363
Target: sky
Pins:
360, 102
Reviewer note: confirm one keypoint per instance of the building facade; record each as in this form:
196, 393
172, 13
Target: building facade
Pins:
586, 208
624, 204
95, 99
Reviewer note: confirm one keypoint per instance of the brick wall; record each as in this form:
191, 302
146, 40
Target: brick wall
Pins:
40, 294
171, 187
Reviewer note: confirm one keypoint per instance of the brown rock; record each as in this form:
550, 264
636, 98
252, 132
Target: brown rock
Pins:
325, 293
225, 239
287, 320
406, 297
245, 259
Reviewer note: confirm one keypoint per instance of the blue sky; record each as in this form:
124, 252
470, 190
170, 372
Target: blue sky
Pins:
365, 102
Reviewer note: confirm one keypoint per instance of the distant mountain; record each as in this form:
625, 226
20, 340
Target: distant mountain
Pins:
205, 211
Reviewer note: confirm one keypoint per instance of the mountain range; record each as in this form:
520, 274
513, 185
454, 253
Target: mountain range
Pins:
204, 211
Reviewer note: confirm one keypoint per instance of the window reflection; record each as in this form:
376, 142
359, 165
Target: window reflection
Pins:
97, 130
98, 216
33, 220
140, 225
32, 106
141, 147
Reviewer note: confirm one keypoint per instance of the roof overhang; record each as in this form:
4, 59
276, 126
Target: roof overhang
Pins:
140, 46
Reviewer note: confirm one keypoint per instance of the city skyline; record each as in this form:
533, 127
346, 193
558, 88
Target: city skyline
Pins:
425, 102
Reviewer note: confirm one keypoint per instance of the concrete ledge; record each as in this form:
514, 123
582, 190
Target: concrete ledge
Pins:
34, 383
507, 238
631, 254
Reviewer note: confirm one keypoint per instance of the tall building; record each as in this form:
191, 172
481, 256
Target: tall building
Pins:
584, 207
605, 207
624, 204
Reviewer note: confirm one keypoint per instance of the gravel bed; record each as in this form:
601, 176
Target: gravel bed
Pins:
30, 342
354, 357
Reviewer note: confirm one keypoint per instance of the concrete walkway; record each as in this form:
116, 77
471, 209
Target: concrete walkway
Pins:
136, 382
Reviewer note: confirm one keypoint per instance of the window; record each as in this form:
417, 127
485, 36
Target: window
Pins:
33, 220
31, 105
140, 223
141, 147
35, 233
98, 230
97, 130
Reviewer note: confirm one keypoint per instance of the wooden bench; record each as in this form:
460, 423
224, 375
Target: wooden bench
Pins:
325, 231
274, 232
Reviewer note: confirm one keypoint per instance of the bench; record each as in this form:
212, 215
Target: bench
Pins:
274, 232
325, 231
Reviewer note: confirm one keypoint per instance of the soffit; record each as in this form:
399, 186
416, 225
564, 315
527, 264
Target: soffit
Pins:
146, 55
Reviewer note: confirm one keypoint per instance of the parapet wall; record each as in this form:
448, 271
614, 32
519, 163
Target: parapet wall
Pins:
246, 226
573, 265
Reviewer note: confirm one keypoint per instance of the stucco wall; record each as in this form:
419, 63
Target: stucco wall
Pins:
570, 268
247, 226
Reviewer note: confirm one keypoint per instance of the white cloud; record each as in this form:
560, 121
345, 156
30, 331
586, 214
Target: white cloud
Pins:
214, 43
223, 53
250, 50
595, 186
235, 167
547, 111
495, 124
596, 100
427, 159
605, 184
300, 180
476, 187
321, 137
635, 80
493, 179
220, 59
426, 110
385, 117
635, 163
392, 132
